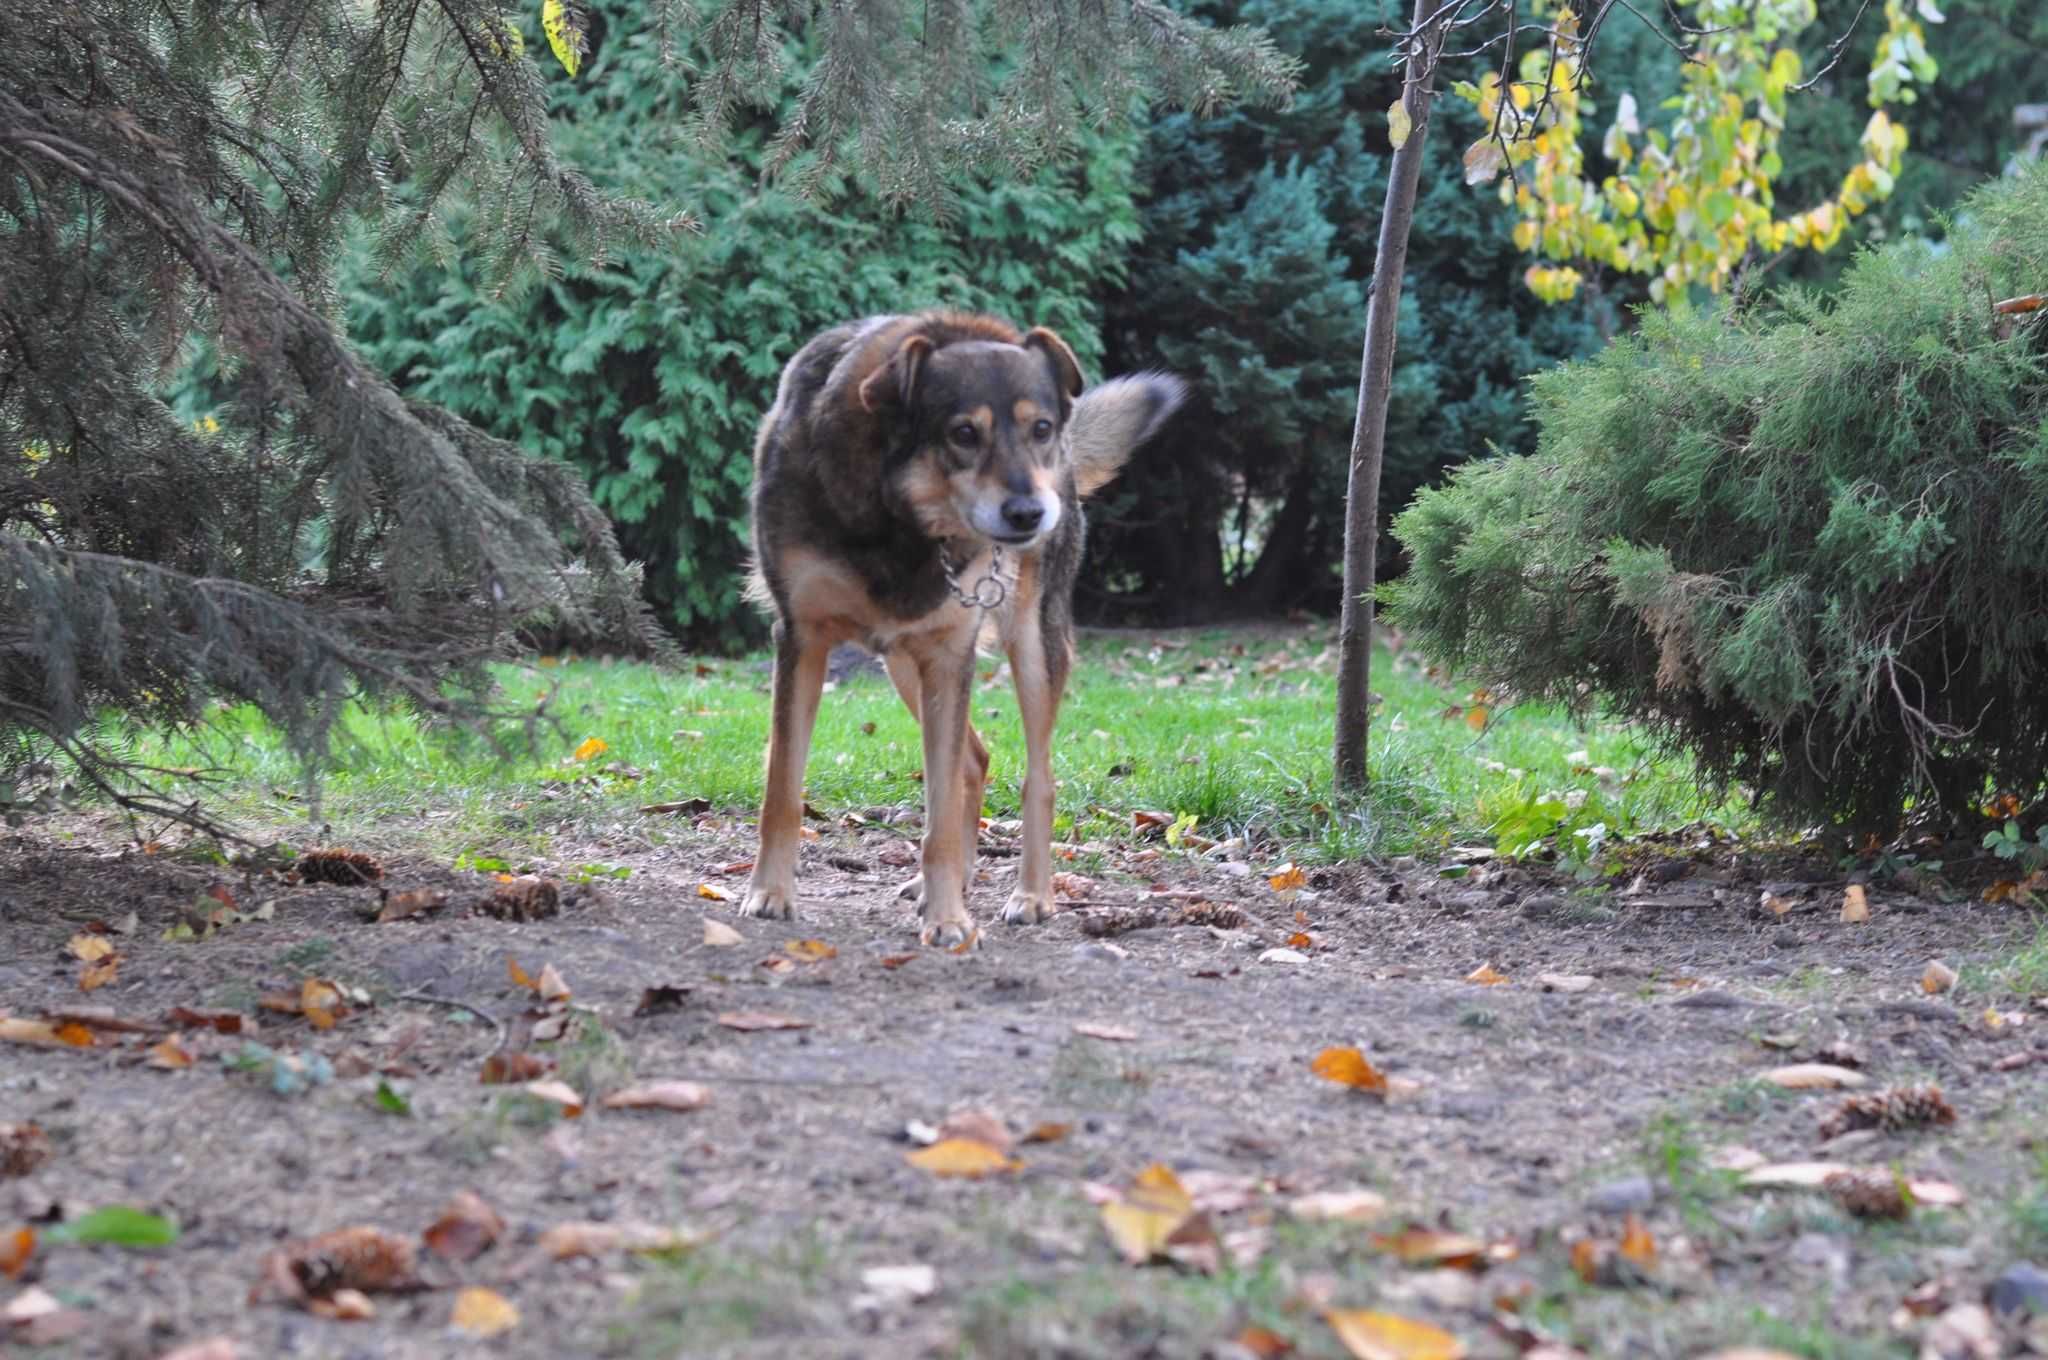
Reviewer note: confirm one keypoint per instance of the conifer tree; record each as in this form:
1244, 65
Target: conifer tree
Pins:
187, 168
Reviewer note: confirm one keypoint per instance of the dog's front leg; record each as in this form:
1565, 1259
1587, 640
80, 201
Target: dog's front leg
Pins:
800, 656
1039, 687
945, 674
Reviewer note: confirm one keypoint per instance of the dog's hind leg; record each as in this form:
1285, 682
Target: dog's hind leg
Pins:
800, 657
1041, 679
973, 763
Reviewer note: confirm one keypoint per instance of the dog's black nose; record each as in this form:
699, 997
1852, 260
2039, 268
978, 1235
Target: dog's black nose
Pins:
1022, 513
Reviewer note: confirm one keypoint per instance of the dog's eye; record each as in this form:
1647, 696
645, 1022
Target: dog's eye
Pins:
964, 435
1042, 431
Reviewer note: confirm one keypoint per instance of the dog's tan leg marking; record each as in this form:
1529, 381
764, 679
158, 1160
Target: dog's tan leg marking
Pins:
974, 763
1038, 701
799, 681
945, 668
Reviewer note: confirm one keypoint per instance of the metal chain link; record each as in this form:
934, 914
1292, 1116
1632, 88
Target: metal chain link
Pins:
989, 591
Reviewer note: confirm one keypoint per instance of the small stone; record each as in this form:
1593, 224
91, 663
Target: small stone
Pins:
1631, 1194
1283, 956
1101, 951
2022, 1288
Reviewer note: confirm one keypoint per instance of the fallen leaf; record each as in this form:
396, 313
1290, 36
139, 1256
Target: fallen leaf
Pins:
1475, 717
1637, 1245
1288, 878
979, 1126
1097, 1030
968, 945
1263, 1344
900, 1284
483, 1312
965, 1157
809, 951
1486, 976
467, 1228
753, 1020
713, 892
590, 746
171, 1055
556, 1093
1431, 1247
343, 1305
1072, 885
550, 987
1814, 1077
1348, 1206
1938, 978
1776, 905
400, 906
348, 1260
1047, 1133
23, 1148
660, 1095
220, 1022
88, 948
1283, 956
719, 935
1792, 1175
1370, 1335
34, 1032
1143, 1219
322, 1003
1855, 904
116, 1225
567, 1240
1349, 1067
897, 960
15, 1250
520, 977
1301, 939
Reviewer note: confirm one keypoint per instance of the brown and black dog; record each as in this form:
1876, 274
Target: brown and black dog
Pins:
918, 479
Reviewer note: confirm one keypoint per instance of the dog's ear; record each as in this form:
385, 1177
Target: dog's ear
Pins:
896, 380
1066, 370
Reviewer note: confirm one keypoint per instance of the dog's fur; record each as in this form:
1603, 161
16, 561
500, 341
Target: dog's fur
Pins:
898, 448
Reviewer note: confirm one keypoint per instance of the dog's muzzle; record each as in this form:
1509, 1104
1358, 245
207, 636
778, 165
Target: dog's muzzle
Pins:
1017, 520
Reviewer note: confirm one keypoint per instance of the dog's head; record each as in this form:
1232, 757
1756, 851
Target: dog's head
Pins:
984, 423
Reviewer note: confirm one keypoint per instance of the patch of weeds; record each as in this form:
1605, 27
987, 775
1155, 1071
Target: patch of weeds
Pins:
1743, 1098
1082, 1076
308, 955
2023, 975
695, 1303
1587, 907
1814, 1336
593, 1059
1672, 1152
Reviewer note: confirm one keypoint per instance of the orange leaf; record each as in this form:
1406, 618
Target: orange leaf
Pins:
2004, 890
75, 1034
99, 973
1370, 1335
466, 1228
1486, 976
1048, 1133
1264, 1344
1636, 1243
2030, 302
1475, 717
321, 1002
1288, 878
1586, 1260
591, 746
965, 1157
15, 1249
520, 977
171, 1054
1349, 1067
810, 951
1431, 1247
713, 892
1144, 1218
1301, 939
1855, 904
483, 1312
897, 960
503, 1069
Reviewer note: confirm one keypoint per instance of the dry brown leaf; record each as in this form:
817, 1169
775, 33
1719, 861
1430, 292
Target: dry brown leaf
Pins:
979, 1126
1486, 976
506, 1069
16, 1248
99, 973
1072, 885
1370, 1335
171, 1055
1350, 1206
1776, 905
660, 1095
551, 987
1093, 1029
399, 906
1814, 1077
897, 960
352, 1260
1855, 904
220, 1022
1938, 978
756, 1020
1264, 1344
23, 1148
75, 1033
964, 1157
88, 948
719, 935
556, 1093
483, 1312
467, 1228
1432, 1247
1047, 1132
1349, 1067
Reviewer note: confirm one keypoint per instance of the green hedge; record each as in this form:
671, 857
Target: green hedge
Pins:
1809, 546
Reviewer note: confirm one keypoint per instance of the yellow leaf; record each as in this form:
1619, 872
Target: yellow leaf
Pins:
483, 1312
91, 948
520, 977
1289, 878
1399, 124
320, 1001
1348, 1067
565, 34
592, 746
713, 892
1388, 1336
1486, 976
99, 973
810, 951
1148, 1214
1431, 1247
964, 1157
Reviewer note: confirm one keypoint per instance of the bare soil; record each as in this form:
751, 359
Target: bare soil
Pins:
1537, 1117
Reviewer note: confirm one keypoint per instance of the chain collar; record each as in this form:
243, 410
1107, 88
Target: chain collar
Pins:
988, 592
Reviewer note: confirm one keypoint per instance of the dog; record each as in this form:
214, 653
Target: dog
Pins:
917, 490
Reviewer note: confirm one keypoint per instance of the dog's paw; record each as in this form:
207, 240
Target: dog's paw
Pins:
955, 933
913, 891
774, 903
1027, 909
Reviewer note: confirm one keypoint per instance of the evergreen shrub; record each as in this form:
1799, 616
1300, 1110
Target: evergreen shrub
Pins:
1808, 545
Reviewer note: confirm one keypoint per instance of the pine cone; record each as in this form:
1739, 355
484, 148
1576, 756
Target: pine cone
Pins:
1119, 920
23, 1148
349, 868
1892, 1109
1221, 915
364, 1258
1867, 1194
523, 899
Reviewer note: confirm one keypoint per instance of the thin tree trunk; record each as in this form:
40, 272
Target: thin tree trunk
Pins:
1369, 435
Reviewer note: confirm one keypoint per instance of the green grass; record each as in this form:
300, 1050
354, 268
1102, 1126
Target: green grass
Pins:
1231, 726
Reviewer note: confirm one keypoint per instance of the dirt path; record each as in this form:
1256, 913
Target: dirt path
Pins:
1535, 1117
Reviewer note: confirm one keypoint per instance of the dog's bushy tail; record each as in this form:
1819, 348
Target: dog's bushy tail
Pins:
1113, 418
